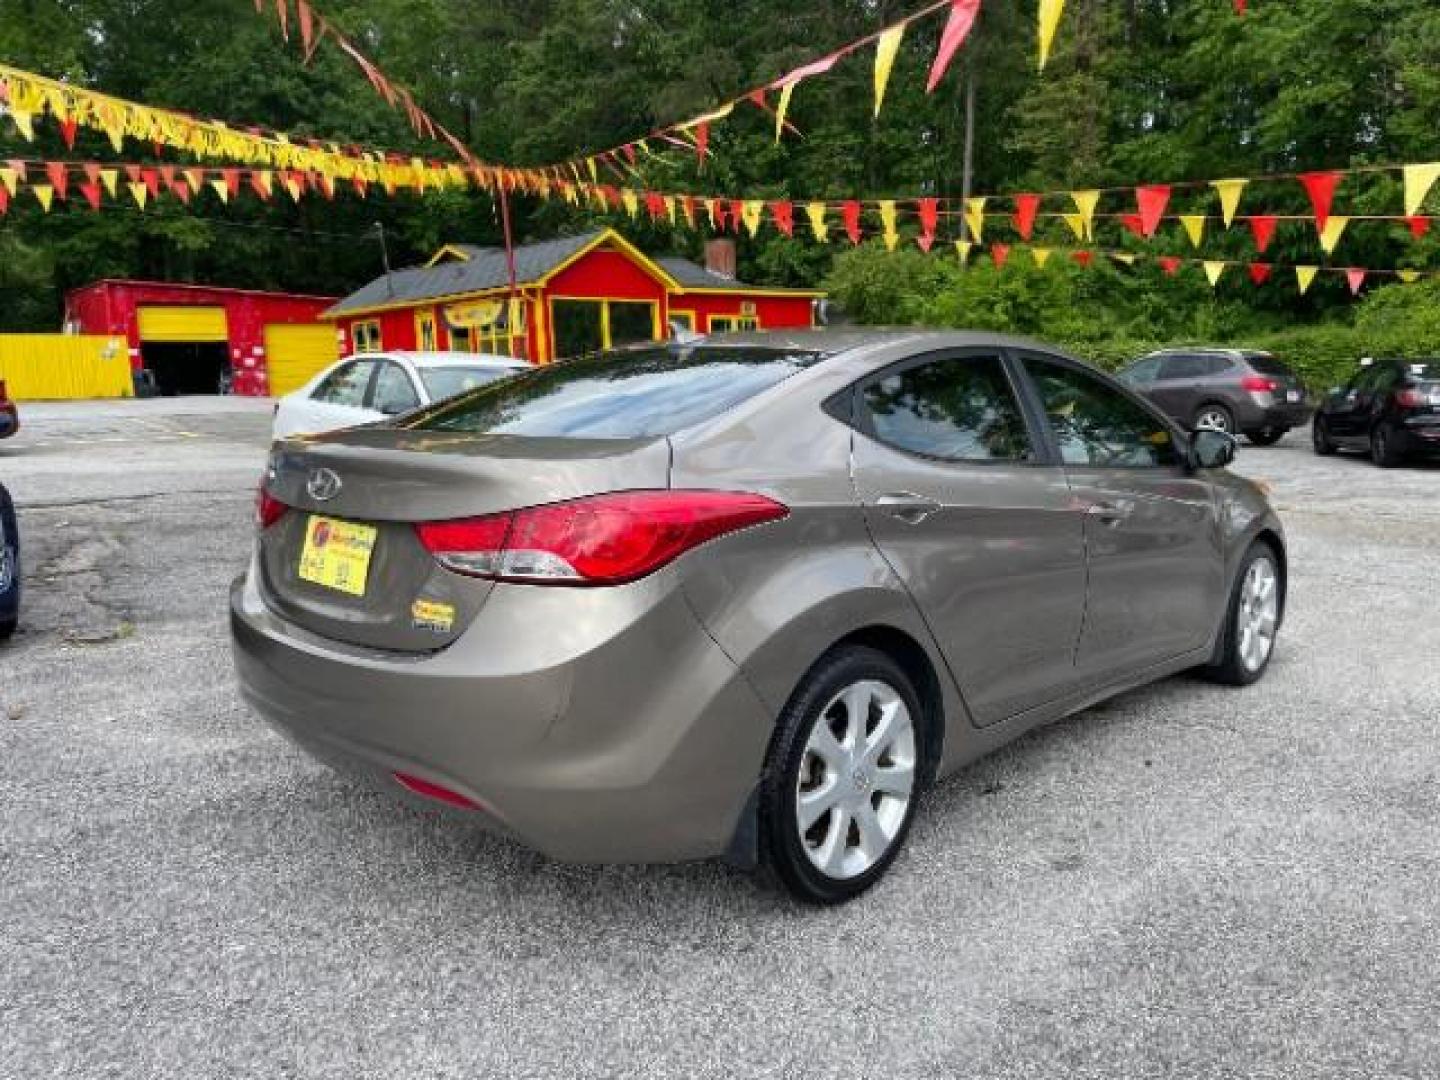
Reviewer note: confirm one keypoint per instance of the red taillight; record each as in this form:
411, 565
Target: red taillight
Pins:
1406, 398
268, 509
601, 540
1259, 384
434, 791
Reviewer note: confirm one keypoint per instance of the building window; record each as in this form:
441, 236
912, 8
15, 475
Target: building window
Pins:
686, 319
496, 327
720, 324
365, 336
425, 339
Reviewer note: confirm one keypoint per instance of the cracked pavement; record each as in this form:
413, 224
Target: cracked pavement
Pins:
1186, 881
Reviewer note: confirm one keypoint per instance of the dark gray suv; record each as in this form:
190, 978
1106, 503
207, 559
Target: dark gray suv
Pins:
1233, 390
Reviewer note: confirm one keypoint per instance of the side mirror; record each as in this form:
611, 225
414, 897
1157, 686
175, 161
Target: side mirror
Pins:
1212, 449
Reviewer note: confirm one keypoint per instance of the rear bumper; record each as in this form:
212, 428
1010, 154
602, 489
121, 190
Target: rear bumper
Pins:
1276, 414
1418, 438
621, 735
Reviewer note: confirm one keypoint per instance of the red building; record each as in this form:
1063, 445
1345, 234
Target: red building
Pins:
188, 335
571, 296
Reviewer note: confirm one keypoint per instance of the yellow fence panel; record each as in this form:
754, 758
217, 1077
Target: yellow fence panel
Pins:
182, 324
53, 367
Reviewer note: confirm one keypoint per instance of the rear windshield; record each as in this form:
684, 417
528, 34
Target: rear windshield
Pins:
444, 382
1424, 370
1268, 365
631, 394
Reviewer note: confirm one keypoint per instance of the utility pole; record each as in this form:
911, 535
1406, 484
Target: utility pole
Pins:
385, 259
967, 163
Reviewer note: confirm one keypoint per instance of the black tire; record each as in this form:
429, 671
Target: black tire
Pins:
1214, 416
783, 850
1320, 437
1266, 436
7, 628
1229, 666
1382, 447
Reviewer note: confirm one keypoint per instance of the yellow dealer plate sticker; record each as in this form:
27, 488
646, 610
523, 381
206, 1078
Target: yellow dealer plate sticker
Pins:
433, 615
337, 554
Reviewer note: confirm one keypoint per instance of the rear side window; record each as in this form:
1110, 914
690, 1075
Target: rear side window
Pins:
1194, 367
1269, 365
958, 409
640, 393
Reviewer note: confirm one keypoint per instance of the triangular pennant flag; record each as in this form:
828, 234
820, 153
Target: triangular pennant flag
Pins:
737, 215
1229, 192
887, 221
1048, 18
1170, 264
850, 214
1259, 273
151, 179
957, 29
1213, 269
182, 191
886, 49
68, 127
1026, 207
1330, 234
782, 108
1134, 223
282, 8
4, 200
1240, 6
59, 174
929, 210
1076, 223
92, 172
1194, 225
1304, 275
815, 211
752, 211
111, 179
1418, 181
25, 121
783, 211
195, 178
1356, 277
1041, 255
91, 191
1152, 200
1320, 186
975, 217
139, 192
1262, 226
1408, 276
631, 201
925, 241
44, 194
1083, 258
263, 182
1085, 202
167, 176
17, 172
1419, 226
222, 192
999, 253
307, 28
963, 249
1123, 257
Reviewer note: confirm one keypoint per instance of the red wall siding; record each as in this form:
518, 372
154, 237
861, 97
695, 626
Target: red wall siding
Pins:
774, 312
607, 275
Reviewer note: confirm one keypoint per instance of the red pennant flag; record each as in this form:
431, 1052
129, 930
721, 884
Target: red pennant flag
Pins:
91, 191
1263, 226
17, 167
182, 191
1170, 264
1259, 273
702, 142
92, 172
282, 8
926, 242
737, 214
1356, 277
167, 174
68, 127
232, 181
1026, 207
59, 174
1084, 258
159, 147
1320, 186
1419, 226
1152, 200
1240, 6
307, 28
783, 212
359, 183
629, 151
132, 173
929, 220
327, 185
850, 214
999, 252
151, 179
655, 205
1133, 223
4, 200
957, 29
258, 186
758, 97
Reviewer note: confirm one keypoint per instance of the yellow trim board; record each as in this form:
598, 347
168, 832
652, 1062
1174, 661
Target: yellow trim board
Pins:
450, 250
743, 290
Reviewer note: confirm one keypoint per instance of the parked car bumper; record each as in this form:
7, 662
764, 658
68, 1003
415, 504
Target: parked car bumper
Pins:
1420, 435
592, 749
1268, 412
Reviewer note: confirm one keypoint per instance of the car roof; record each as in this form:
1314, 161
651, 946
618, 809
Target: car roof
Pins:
832, 341
1208, 350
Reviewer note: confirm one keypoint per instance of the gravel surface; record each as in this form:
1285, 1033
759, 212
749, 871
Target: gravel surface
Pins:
1185, 882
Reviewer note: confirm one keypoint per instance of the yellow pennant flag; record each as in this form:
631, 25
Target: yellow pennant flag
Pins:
1194, 227
1229, 192
196, 178
25, 122
1076, 223
818, 225
885, 51
293, 187
1330, 235
712, 208
1040, 255
963, 249
10, 180
753, 211
975, 217
140, 193
1123, 257
222, 192
110, 178
1049, 18
1304, 275
631, 201
887, 219
1418, 181
782, 108
1085, 202
1213, 270
594, 172
1408, 276
44, 195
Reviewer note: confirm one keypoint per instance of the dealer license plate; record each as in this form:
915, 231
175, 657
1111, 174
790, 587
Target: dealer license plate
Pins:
1293, 395
337, 554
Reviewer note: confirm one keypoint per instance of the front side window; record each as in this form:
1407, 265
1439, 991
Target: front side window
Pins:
1095, 424
394, 392
346, 385
956, 409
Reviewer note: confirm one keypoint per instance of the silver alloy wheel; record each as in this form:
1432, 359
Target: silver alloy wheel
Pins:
1258, 613
1212, 419
856, 779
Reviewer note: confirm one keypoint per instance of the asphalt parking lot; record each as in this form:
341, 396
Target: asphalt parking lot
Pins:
1185, 882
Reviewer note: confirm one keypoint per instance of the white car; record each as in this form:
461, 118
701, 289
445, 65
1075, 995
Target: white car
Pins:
369, 387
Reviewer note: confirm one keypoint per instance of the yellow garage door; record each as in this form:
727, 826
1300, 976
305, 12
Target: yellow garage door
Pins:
163, 324
296, 354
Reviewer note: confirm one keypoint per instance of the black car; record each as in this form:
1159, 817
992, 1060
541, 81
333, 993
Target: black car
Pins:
1390, 408
1238, 391
9, 566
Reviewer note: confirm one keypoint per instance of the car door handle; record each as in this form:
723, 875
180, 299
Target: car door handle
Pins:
907, 506
1110, 513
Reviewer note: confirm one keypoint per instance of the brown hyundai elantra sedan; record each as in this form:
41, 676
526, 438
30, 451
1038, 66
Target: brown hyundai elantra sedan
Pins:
747, 596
